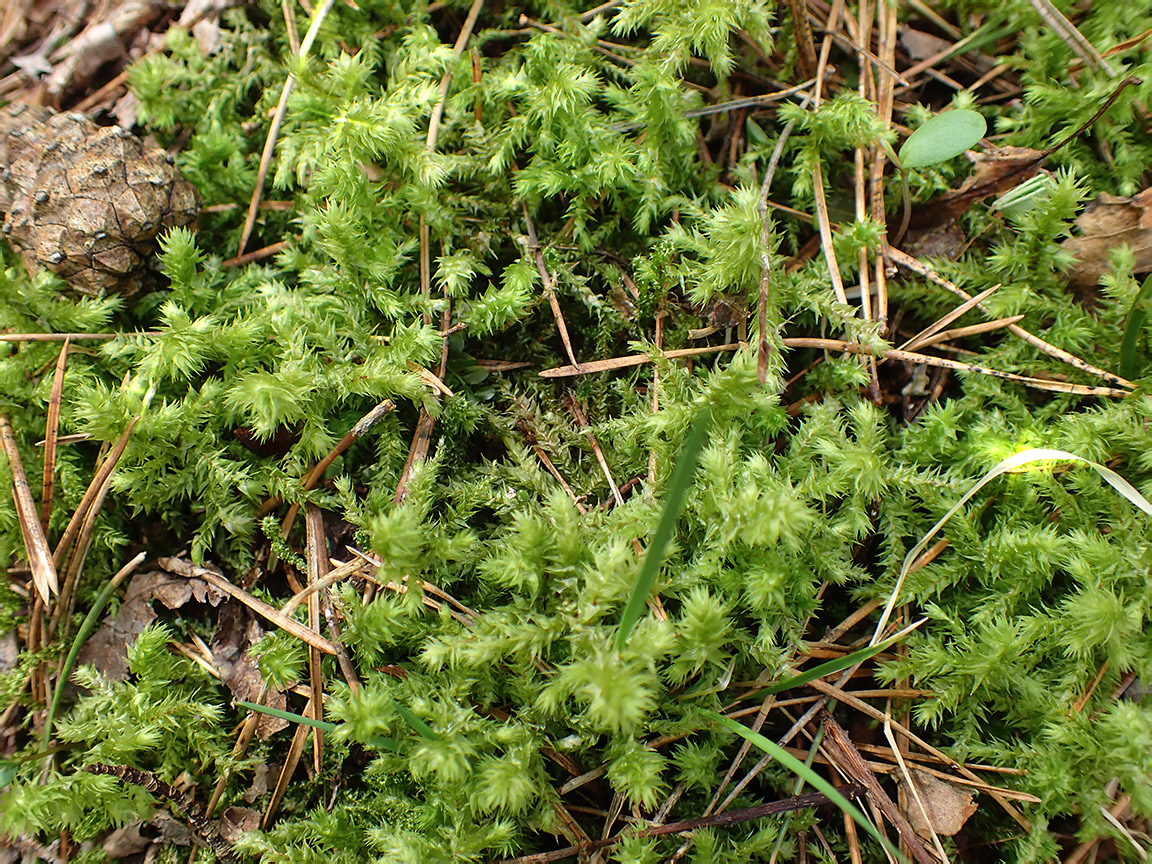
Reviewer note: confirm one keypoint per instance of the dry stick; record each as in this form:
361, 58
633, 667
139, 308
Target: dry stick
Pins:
549, 287
35, 545
264, 610
317, 557
905, 260
51, 436
849, 758
840, 695
736, 817
277, 120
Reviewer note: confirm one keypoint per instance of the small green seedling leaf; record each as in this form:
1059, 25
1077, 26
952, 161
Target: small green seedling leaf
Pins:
944, 136
1133, 327
804, 771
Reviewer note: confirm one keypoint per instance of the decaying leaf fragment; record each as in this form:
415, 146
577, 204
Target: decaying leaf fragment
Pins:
947, 806
1108, 222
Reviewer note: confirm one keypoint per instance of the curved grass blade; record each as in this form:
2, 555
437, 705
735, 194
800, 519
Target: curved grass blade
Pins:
86, 628
654, 557
1035, 454
801, 770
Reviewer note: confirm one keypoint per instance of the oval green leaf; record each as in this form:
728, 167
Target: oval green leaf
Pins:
944, 136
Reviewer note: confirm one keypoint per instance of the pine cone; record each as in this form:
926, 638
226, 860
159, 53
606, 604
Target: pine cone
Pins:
84, 201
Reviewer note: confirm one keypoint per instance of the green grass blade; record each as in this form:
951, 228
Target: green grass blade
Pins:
378, 743
86, 628
654, 557
832, 666
323, 725
424, 730
1133, 327
811, 777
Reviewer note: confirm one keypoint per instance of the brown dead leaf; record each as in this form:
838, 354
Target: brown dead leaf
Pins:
235, 822
948, 806
1108, 222
126, 841
237, 630
259, 786
163, 830
921, 45
107, 650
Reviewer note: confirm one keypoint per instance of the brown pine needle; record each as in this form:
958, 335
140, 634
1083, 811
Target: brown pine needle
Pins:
317, 559
295, 750
851, 348
35, 544
549, 287
264, 610
277, 121
971, 330
362, 426
918, 340
51, 437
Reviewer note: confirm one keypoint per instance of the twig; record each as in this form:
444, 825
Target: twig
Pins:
255, 255
165, 792
849, 758
735, 817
